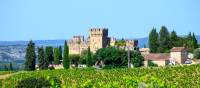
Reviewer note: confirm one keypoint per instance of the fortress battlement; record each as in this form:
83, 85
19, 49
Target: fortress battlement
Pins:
98, 38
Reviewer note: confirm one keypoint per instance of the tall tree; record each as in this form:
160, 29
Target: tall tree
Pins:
49, 54
43, 63
10, 66
56, 56
60, 54
174, 39
153, 41
194, 41
164, 40
189, 42
5, 67
30, 56
66, 61
89, 58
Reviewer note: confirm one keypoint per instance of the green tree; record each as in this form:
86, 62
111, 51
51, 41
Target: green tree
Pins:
66, 60
174, 39
164, 40
60, 54
137, 59
75, 58
194, 42
189, 42
30, 57
6, 67
121, 42
49, 54
10, 66
56, 56
153, 41
112, 57
83, 56
41, 59
197, 53
89, 58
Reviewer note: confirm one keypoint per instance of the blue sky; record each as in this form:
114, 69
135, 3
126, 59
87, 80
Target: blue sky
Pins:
61, 19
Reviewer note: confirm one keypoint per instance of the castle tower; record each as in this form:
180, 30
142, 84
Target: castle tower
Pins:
75, 44
98, 38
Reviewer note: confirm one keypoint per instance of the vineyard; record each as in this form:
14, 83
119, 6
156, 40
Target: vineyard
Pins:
164, 77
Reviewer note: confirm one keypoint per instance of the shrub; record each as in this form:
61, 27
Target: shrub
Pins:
197, 53
74, 59
152, 64
112, 57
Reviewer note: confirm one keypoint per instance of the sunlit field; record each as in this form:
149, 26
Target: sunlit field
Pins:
179, 76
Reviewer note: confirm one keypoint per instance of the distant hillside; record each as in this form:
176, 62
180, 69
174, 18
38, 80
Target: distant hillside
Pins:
143, 41
37, 42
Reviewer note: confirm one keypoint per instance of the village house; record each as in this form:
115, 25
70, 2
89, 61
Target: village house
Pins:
178, 55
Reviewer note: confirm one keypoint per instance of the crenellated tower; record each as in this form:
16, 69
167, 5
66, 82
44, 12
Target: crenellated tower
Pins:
98, 38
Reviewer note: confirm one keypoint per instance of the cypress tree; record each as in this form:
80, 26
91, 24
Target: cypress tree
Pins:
5, 68
60, 54
56, 56
153, 41
189, 43
194, 41
66, 61
174, 39
89, 58
49, 54
164, 40
30, 57
41, 59
10, 66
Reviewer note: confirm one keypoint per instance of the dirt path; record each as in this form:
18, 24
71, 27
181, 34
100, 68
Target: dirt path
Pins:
8, 75
5, 76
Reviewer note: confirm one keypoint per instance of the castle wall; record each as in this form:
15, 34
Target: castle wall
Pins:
98, 38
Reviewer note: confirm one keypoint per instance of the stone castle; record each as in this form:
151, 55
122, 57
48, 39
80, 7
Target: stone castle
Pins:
98, 38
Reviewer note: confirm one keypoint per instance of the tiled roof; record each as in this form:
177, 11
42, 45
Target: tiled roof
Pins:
157, 57
178, 49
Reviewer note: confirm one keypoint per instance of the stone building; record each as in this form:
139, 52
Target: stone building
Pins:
77, 44
178, 55
161, 59
144, 51
98, 38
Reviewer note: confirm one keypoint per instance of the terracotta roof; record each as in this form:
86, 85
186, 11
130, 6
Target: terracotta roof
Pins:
157, 57
178, 49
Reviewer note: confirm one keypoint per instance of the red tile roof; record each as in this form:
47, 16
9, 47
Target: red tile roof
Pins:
157, 57
178, 49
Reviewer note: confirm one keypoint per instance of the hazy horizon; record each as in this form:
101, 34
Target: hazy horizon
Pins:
22, 20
